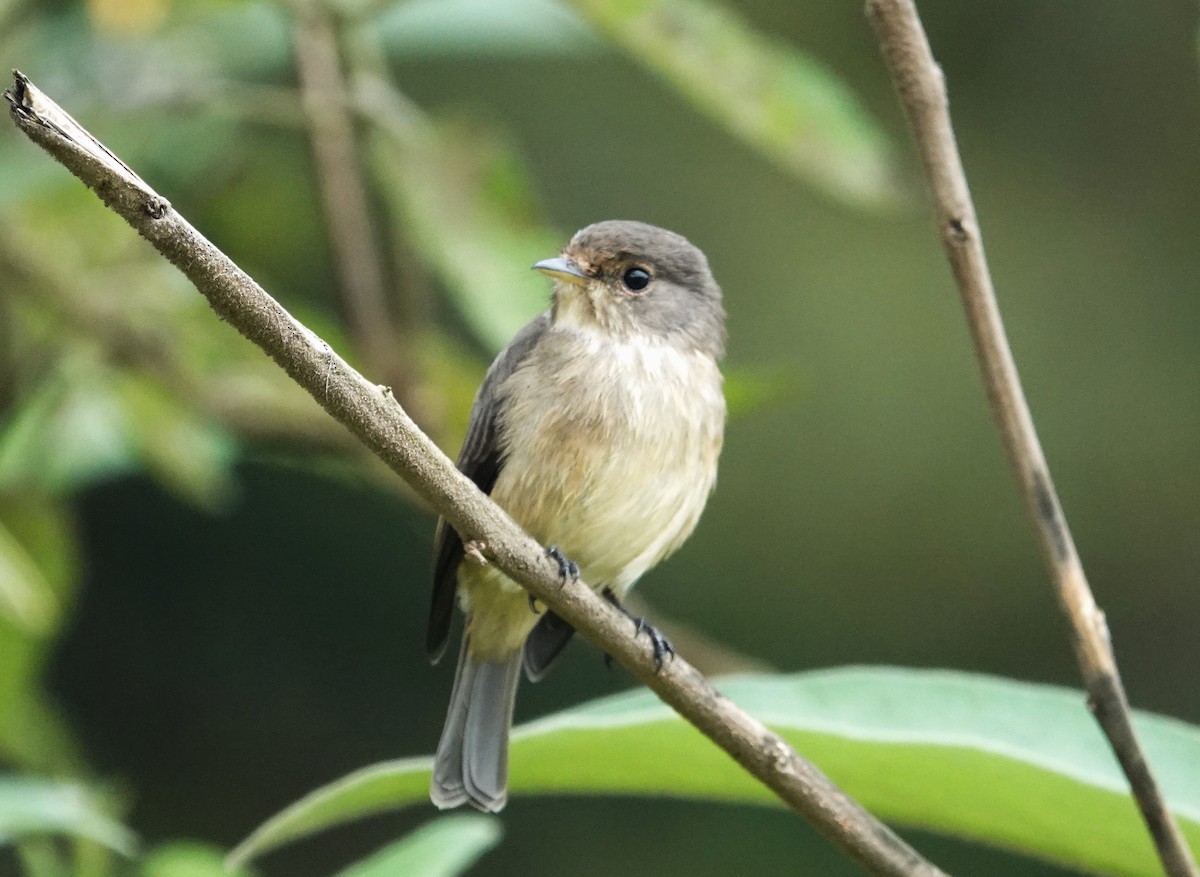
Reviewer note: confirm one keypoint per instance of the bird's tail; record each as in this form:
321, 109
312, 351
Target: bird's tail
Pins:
471, 765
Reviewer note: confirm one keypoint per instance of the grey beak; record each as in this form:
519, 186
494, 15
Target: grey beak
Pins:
561, 268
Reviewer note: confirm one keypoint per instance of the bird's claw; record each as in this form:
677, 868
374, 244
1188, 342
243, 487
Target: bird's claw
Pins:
660, 645
567, 568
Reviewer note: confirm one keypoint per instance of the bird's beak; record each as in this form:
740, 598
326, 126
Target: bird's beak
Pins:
561, 268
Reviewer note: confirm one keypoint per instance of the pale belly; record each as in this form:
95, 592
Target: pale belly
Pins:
615, 475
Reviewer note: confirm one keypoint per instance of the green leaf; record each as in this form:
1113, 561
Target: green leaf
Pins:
86, 422
466, 201
31, 807
188, 454
1011, 764
187, 859
774, 97
40, 537
442, 848
26, 600
70, 431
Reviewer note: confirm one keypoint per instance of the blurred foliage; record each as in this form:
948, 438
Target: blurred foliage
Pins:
28, 807
467, 204
862, 468
773, 96
38, 575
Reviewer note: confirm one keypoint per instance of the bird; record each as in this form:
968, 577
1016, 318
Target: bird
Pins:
598, 430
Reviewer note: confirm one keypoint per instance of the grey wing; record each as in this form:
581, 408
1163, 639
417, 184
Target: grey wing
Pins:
480, 460
544, 643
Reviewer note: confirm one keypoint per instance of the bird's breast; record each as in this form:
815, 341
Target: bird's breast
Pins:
610, 449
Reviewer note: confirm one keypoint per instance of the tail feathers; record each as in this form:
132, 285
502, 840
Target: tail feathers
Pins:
471, 765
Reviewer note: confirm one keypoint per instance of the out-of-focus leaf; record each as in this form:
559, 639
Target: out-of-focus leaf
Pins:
35, 736
26, 600
44, 529
65, 434
85, 424
1016, 765
187, 859
442, 848
483, 28
468, 206
189, 454
128, 370
31, 733
178, 68
777, 99
30, 807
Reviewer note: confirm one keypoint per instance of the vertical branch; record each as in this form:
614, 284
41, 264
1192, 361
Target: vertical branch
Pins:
369, 85
343, 190
922, 90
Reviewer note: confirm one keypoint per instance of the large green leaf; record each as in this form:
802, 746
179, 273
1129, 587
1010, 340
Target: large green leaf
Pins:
773, 96
1012, 764
29, 808
442, 848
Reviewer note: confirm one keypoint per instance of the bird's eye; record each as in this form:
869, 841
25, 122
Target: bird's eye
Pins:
636, 279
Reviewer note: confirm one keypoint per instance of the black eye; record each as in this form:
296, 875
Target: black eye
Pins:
636, 279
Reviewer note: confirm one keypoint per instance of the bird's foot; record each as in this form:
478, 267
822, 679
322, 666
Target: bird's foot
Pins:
660, 645
567, 568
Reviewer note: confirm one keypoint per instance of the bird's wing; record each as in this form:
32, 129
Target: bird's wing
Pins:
479, 460
544, 643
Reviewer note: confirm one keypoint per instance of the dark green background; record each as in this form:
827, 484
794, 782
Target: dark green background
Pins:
221, 665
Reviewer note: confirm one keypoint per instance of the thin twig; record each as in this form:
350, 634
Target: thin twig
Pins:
371, 413
922, 90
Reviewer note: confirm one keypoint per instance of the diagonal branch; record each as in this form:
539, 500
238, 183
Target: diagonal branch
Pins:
372, 414
922, 90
